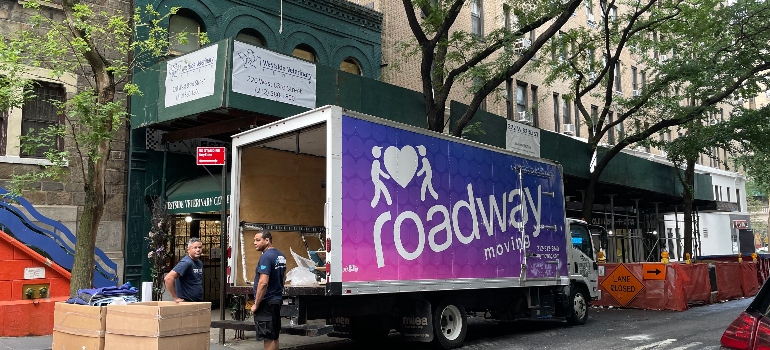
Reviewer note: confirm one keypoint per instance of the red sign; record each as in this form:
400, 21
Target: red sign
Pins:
740, 224
211, 155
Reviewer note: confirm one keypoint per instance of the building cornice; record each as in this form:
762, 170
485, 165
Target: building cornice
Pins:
345, 10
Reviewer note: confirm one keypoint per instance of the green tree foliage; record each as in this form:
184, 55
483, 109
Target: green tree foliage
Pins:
449, 57
696, 55
100, 47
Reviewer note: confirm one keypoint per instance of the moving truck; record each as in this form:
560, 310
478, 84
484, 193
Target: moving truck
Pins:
404, 228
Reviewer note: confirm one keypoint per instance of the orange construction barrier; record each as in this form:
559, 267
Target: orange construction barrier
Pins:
683, 285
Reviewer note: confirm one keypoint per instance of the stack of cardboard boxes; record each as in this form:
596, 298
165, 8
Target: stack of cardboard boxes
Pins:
154, 325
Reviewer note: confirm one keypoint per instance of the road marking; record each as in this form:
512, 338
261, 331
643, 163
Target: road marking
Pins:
658, 345
687, 346
638, 337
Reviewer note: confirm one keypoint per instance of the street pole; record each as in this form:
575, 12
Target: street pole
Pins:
223, 252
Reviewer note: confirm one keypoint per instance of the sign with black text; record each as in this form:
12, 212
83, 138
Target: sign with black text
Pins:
262, 73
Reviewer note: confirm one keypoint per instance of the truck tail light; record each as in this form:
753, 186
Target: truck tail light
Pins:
328, 245
229, 251
228, 270
328, 271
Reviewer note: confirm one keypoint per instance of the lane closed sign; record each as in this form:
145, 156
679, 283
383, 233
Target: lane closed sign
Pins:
211, 156
622, 285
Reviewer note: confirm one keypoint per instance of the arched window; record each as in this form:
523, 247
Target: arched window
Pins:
350, 65
251, 36
304, 52
178, 24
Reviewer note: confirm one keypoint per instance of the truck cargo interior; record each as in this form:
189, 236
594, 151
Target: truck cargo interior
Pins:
286, 188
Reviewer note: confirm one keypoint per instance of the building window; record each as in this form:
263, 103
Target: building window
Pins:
478, 84
477, 22
728, 194
611, 131
521, 99
594, 117
179, 24
716, 192
509, 98
612, 12
590, 13
304, 52
618, 86
556, 114
350, 65
565, 111
251, 37
40, 112
534, 112
634, 82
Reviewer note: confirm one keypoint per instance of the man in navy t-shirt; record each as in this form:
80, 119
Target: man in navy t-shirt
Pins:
185, 281
268, 290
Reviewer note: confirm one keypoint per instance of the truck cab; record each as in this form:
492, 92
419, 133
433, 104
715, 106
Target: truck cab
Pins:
582, 257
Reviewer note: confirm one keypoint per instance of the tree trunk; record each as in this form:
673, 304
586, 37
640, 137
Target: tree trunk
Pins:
88, 225
589, 196
688, 194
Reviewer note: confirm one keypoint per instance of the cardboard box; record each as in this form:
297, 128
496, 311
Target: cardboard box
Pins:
80, 327
197, 341
157, 325
66, 341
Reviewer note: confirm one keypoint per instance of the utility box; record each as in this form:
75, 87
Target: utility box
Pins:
159, 325
78, 327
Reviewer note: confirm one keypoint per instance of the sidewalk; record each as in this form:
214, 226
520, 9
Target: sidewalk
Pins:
250, 343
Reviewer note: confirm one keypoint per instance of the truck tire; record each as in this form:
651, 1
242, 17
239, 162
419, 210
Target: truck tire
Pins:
450, 324
577, 310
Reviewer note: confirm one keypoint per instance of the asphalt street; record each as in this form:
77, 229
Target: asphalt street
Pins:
698, 328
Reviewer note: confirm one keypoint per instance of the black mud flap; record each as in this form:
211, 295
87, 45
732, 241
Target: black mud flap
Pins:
341, 326
416, 321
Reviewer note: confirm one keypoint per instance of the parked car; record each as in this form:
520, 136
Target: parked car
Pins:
751, 330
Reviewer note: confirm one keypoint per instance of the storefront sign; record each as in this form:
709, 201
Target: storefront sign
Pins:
196, 205
261, 73
522, 139
211, 155
191, 76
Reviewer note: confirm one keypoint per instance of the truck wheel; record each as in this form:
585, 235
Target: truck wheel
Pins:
450, 323
578, 308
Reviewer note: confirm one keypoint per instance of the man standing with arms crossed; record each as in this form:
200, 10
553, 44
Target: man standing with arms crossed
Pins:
185, 281
268, 290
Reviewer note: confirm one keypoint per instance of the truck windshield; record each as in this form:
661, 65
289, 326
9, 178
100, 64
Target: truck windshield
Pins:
581, 239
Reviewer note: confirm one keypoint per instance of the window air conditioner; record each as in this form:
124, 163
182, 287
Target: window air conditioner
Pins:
591, 20
525, 117
568, 129
663, 58
637, 92
592, 75
521, 44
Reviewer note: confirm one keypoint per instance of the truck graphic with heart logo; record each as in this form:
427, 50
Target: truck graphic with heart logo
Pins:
405, 228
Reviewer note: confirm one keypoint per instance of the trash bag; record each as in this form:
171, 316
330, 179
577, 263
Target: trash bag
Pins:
301, 276
302, 261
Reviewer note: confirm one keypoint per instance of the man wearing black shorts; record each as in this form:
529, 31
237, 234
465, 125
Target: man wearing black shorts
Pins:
268, 290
